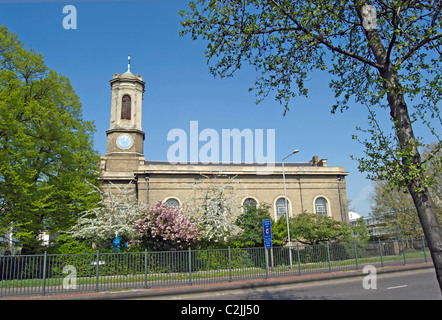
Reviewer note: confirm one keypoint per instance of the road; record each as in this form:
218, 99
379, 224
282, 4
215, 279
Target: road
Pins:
409, 285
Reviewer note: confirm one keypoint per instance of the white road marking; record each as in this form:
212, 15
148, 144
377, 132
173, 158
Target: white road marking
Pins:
397, 287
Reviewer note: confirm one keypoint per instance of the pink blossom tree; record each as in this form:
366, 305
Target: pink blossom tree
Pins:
163, 227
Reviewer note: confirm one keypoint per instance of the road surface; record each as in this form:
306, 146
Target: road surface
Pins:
409, 285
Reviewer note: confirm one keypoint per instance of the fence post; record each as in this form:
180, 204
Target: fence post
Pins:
44, 275
145, 268
230, 266
403, 251
356, 255
380, 253
425, 251
299, 259
190, 266
267, 262
328, 253
97, 270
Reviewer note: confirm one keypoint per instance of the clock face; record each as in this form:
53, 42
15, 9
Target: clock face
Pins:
125, 141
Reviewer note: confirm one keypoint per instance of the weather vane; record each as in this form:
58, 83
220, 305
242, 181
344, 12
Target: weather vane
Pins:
128, 63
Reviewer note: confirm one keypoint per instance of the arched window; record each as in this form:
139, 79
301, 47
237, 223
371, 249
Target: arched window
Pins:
173, 203
249, 202
126, 108
321, 206
280, 207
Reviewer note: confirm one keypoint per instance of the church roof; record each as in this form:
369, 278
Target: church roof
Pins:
288, 164
128, 74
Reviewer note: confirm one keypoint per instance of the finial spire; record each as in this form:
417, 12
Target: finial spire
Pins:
128, 63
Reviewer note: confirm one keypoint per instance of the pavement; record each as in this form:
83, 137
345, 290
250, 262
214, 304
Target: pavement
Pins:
166, 293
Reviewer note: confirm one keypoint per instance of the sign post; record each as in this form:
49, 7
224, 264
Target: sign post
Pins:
267, 228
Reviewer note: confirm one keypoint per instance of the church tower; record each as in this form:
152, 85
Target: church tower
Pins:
125, 136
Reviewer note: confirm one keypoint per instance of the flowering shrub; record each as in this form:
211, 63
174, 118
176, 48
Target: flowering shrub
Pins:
163, 227
116, 214
215, 208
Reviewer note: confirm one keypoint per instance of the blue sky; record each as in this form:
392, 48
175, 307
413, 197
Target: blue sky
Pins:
179, 87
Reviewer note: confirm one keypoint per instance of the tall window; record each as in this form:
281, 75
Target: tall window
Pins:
321, 206
126, 108
249, 202
280, 207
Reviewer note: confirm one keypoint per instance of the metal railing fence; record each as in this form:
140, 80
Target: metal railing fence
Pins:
64, 273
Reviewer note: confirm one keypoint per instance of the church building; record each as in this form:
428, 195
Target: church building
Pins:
313, 186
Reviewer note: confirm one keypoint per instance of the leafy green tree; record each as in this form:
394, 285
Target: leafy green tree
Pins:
66, 244
314, 229
360, 231
395, 207
396, 210
46, 148
385, 55
279, 232
250, 222
310, 229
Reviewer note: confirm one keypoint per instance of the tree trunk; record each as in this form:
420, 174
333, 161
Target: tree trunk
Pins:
411, 161
432, 230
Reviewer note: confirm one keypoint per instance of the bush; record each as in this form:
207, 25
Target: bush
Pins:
65, 244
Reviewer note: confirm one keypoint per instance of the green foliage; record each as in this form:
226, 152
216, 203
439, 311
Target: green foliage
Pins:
65, 244
396, 210
250, 221
279, 232
219, 259
395, 207
286, 40
360, 231
309, 229
46, 148
315, 229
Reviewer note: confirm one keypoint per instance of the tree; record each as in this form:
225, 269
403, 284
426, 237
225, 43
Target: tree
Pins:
434, 170
314, 229
396, 210
250, 222
214, 208
360, 231
385, 55
395, 206
163, 228
46, 148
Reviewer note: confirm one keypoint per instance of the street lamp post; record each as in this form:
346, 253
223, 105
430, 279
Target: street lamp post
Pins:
286, 206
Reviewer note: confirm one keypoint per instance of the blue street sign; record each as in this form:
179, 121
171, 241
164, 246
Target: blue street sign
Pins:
267, 226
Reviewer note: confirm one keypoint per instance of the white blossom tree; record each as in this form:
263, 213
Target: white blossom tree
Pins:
215, 207
116, 214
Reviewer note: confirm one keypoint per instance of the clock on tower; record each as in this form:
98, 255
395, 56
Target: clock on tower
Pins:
125, 141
